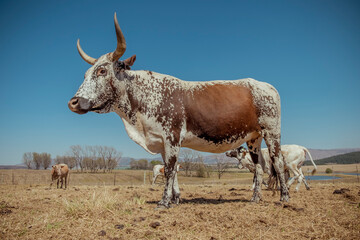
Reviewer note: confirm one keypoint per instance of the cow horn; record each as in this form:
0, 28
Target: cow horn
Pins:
121, 44
84, 56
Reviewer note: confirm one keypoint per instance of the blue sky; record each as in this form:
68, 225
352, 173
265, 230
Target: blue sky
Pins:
309, 50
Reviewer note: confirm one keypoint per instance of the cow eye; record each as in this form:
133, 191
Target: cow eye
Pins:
101, 72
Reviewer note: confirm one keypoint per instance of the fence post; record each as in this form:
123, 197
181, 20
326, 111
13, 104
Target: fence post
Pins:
144, 177
114, 178
13, 178
357, 174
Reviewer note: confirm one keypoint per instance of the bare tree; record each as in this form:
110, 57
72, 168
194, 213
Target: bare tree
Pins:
102, 152
78, 153
187, 162
112, 158
37, 160
70, 161
28, 159
45, 160
221, 164
91, 158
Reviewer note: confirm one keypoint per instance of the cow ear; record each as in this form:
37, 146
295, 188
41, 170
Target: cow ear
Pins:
130, 61
53, 166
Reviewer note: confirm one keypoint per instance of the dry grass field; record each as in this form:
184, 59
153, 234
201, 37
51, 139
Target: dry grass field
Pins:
210, 209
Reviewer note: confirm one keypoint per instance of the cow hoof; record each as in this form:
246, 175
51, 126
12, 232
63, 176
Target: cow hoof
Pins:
256, 198
162, 206
284, 197
176, 200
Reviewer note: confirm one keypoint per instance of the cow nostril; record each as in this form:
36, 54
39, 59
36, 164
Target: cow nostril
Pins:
74, 101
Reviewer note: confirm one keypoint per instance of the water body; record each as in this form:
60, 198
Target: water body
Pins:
353, 174
316, 177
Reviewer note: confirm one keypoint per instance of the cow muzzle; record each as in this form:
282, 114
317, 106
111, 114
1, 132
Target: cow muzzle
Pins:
79, 105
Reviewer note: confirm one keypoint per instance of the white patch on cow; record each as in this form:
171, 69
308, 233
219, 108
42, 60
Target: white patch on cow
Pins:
146, 132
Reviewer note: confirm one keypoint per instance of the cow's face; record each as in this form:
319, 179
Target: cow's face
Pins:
57, 170
238, 153
104, 82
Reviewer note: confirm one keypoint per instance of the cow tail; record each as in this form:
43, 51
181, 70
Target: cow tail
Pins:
68, 178
312, 161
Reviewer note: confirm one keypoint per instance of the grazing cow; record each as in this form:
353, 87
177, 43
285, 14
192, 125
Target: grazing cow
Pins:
159, 169
294, 157
162, 113
245, 161
60, 172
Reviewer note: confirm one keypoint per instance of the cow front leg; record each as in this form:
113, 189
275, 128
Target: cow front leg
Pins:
171, 191
57, 184
254, 147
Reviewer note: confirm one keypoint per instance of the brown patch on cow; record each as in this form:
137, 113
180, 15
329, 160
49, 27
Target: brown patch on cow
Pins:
162, 170
221, 112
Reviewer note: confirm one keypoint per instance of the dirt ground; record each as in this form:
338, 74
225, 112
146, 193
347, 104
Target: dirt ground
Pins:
217, 211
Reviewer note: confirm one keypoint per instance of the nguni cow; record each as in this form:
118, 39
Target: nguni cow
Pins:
159, 169
60, 172
162, 113
294, 157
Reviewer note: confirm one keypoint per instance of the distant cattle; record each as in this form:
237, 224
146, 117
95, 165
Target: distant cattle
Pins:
159, 169
60, 172
294, 157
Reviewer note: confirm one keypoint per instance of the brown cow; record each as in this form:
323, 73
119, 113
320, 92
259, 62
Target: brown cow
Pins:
162, 113
60, 172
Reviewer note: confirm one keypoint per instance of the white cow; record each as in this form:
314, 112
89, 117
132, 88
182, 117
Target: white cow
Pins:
294, 157
159, 169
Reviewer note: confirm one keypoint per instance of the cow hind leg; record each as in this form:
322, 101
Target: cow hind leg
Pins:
273, 143
304, 180
254, 147
171, 191
300, 179
176, 190
154, 179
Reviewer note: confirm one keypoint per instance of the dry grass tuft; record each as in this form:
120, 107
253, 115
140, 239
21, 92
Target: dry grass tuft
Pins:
98, 202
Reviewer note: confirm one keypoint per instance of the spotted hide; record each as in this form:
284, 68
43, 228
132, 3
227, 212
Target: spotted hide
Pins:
162, 113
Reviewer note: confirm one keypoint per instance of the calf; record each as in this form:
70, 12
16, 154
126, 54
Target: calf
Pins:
294, 157
59, 172
160, 170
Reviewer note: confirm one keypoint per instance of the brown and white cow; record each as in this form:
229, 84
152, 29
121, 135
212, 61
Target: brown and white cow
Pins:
60, 172
162, 113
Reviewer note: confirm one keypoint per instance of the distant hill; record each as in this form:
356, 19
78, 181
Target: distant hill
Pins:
326, 153
18, 166
348, 158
